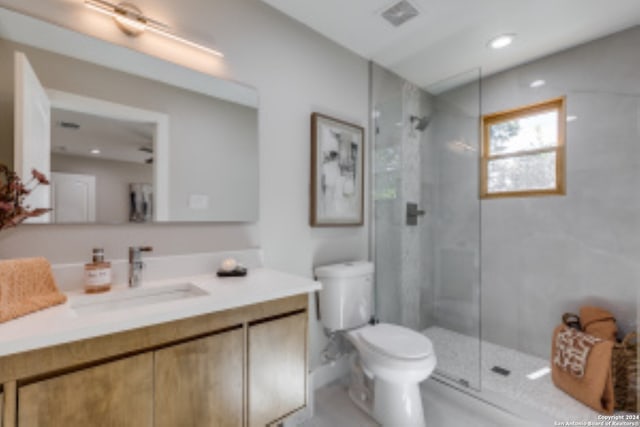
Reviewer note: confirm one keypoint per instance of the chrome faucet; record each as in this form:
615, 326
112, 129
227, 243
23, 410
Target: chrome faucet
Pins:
136, 265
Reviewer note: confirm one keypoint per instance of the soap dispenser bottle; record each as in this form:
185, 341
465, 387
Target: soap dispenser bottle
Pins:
97, 274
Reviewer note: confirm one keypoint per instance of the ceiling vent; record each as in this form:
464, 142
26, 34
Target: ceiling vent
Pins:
400, 13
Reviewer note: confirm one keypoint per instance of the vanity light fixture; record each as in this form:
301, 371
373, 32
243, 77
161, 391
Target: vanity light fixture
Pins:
95, 151
537, 83
132, 22
501, 41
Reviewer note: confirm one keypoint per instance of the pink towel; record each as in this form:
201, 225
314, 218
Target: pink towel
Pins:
26, 285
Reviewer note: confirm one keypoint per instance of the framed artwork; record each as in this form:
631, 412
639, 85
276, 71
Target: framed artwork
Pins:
140, 202
337, 172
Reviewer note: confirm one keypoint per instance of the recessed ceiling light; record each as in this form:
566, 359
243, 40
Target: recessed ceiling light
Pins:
501, 41
537, 83
572, 118
95, 151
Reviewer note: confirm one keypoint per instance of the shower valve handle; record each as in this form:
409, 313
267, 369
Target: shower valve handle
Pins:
413, 213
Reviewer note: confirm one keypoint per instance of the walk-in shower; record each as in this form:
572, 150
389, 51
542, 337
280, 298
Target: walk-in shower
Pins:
427, 214
487, 280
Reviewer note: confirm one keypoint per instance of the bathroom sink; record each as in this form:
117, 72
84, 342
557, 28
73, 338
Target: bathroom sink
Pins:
131, 298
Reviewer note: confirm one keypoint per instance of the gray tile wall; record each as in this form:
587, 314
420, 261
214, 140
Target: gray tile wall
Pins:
403, 278
387, 179
528, 259
543, 256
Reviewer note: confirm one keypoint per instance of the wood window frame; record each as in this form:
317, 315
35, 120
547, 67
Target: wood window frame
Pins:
555, 104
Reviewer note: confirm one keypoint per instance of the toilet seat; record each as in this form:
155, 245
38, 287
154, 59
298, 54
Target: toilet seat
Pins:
396, 342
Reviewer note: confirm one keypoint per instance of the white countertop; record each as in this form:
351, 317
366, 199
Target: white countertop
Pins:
61, 324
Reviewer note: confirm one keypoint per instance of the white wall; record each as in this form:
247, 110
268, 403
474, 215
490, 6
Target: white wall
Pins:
296, 72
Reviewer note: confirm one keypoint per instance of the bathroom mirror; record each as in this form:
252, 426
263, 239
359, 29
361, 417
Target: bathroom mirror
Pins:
124, 137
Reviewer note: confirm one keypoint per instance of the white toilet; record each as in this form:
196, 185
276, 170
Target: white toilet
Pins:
393, 359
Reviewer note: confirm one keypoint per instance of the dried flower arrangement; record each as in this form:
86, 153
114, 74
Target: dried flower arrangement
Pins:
12, 197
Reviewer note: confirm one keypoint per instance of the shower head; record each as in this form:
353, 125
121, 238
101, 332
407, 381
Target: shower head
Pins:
420, 123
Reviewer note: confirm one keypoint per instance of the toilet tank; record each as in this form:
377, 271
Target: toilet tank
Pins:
346, 298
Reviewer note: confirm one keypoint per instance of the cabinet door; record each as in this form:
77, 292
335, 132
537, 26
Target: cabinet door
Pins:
277, 368
118, 393
199, 383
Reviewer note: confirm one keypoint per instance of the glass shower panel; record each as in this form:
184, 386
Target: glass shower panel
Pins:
387, 175
451, 182
425, 152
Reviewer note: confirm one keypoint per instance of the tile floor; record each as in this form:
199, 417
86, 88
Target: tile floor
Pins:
458, 355
533, 403
444, 407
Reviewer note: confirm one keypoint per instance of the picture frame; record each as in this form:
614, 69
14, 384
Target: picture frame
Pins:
337, 172
140, 202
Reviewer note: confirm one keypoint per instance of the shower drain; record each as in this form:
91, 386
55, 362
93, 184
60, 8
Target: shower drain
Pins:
500, 370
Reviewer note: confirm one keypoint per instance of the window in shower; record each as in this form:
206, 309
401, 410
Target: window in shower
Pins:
523, 151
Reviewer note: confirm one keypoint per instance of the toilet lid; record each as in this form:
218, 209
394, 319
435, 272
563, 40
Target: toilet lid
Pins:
397, 341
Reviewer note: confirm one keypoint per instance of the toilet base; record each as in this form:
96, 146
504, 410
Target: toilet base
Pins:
360, 385
393, 404
398, 404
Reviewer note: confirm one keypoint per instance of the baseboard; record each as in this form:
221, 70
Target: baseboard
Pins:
325, 374
318, 378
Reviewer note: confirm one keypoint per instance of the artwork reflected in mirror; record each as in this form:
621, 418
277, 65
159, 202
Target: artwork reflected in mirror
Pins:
141, 203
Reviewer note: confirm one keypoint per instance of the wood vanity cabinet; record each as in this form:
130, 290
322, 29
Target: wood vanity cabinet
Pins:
199, 383
240, 367
277, 368
118, 393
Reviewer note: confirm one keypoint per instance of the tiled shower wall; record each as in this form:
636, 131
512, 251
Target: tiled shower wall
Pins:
456, 235
427, 274
404, 288
541, 256
414, 284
